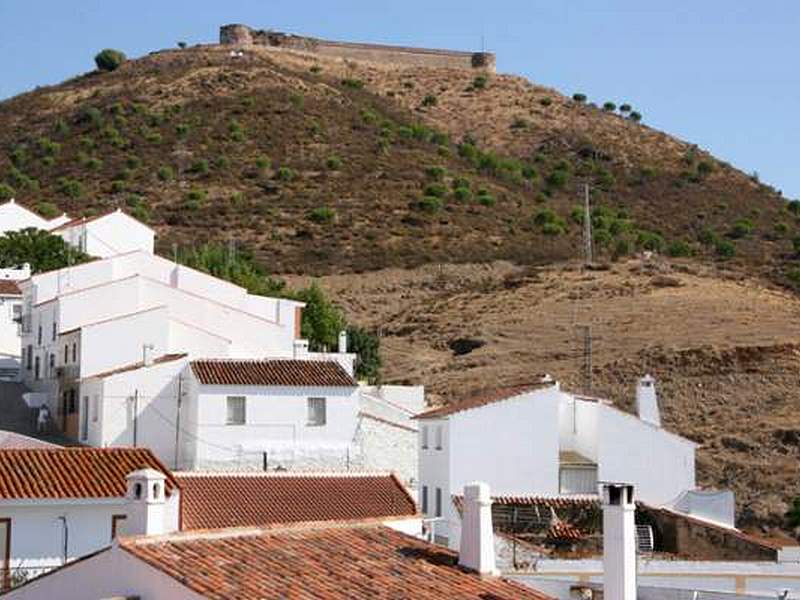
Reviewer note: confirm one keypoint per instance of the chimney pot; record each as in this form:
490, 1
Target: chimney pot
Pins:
147, 354
343, 342
647, 401
619, 542
146, 502
477, 534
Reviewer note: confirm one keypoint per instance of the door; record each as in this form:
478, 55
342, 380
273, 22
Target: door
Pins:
84, 417
5, 552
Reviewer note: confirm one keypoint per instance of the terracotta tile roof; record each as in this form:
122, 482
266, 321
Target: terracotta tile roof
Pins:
334, 562
275, 372
564, 532
482, 398
541, 501
138, 365
217, 500
72, 472
9, 287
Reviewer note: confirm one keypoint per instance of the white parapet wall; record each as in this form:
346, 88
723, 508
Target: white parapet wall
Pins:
747, 577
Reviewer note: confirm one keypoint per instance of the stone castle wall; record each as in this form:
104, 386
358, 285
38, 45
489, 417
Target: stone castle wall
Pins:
242, 35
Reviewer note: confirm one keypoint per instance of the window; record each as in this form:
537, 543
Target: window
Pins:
438, 437
71, 408
39, 336
95, 408
424, 437
37, 368
316, 412
54, 331
52, 364
424, 499
66, 353
74, 351
29, 358
235, 414
438, 502
117, 525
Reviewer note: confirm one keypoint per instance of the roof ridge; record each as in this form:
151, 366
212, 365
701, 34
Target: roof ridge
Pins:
284, 474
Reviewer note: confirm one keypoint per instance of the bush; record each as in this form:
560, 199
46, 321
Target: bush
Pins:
485, 198
200, 167
519, 123
194, 198
625, 108
6, 192
550, 222
263, 162
725, 249
793, 206
221, 163
70, 187
435, 189
679, 248
236, 131
118, 186
557, 179
109, 59
623, 248
705, 167
708, 237
635, 116
355, 84
480, 82
48, 147
165, 173
429, 100
333, 162
436, 173
579, 97
793, 275
462, 194
322, 214
429, 204
284, 174
781, 228
93, 163
546, 102
609, 106
742, 228
650, 240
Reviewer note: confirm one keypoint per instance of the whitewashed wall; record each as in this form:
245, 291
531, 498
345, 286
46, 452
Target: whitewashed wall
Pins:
382, 446
114, 573
658, 463
157, 390
276, 422
578, 425
10, 340
14, 217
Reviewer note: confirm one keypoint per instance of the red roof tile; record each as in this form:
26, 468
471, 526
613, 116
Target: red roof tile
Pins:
276, 372
482, 398
72, 472
9, 287
216, 500
334, 562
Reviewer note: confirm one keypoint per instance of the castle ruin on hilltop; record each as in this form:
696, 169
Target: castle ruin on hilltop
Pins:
242, 35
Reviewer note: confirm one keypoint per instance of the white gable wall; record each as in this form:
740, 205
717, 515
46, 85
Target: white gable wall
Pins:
114, 573
14, 217
578, 425
658, 463
111, 234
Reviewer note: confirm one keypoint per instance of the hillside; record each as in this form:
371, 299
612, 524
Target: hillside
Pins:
441, 210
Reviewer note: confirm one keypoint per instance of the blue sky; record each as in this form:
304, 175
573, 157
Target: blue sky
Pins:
718, 73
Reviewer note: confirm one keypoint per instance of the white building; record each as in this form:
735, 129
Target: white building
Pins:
15, 217
540, 440
10, 320
107, 234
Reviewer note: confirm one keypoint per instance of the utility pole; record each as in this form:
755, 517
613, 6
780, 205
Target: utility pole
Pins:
178, 421
587, 226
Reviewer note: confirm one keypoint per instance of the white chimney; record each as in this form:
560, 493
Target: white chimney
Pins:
147, 354
146, 502
301, 348
647, 401
343, 342
619, 542
477, 535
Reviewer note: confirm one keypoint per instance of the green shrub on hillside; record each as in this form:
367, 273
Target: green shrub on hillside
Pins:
549, 222
579, 97
678, 249
70, 187
263, 162
284, 174
724, 248
546, 102
485, 198
436, 172
355, 84
650, 240
480, 82
635, 116
435, 189
333, 162
200, 167
429, 204
109, 59
609, 106
429, 100
322, 215
462, 194
6, 192
625, 108
165, 173
742, 228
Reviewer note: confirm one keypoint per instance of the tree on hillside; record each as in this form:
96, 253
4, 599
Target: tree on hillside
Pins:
322, 319
109, 59
42, 250
367, 347
236, 266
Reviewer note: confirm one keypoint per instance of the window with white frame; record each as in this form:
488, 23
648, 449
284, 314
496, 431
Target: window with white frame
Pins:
438, 437
235, 410
424, 437
316, 412
424, 499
